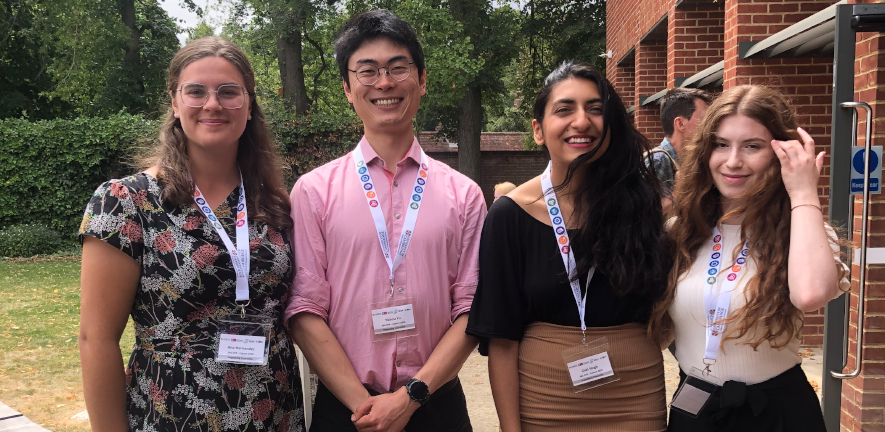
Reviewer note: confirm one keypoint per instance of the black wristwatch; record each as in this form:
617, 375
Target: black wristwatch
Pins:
418, 391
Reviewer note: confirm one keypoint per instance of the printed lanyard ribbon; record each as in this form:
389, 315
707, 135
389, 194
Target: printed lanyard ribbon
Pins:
368, 189
239, 253
717, 305
562, 240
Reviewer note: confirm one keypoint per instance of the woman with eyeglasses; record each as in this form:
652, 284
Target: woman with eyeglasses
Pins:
195, 249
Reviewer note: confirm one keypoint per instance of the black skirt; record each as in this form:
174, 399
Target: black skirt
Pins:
785, 403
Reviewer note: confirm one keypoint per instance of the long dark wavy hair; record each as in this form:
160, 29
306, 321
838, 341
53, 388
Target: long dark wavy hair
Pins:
617, 200
766, 209
266, 198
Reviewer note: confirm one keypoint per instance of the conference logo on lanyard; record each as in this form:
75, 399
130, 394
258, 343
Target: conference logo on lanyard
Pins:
242, 339
718, 304
239, 253
588, 364
694, 393
392, 317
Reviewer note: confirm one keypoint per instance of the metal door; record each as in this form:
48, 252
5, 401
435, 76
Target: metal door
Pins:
850, 19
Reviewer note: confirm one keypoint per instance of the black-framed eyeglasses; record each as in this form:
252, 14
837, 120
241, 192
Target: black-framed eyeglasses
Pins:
230, 96
397, 70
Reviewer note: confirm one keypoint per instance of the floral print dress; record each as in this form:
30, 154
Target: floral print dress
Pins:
187, 284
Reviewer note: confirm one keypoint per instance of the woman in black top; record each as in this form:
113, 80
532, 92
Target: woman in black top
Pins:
593, 214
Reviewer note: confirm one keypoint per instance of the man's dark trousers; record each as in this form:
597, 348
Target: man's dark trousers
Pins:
446, 411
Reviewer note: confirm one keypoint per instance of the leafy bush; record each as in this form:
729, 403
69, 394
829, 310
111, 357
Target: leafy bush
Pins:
49, 169
28, 240
309, 142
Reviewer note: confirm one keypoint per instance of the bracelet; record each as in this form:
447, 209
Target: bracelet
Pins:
802, 205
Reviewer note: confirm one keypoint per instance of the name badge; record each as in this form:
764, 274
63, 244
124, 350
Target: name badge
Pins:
242, 349
242, 339
393, 319
694, 393
589, 365
590, 369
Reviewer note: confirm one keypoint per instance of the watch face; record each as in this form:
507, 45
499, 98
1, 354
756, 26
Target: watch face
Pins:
419, 390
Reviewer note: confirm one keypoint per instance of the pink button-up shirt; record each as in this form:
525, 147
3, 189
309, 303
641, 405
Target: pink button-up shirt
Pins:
341, 270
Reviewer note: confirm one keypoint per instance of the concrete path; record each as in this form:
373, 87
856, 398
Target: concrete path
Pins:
475, 379
12, 420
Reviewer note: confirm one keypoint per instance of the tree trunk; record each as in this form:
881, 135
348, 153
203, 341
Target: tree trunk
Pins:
470, 132
292, 72
469, 13
131, 57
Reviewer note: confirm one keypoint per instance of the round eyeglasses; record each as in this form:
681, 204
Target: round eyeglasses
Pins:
230, 96
397, 70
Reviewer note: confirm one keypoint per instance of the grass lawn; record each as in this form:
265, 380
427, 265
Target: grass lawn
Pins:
39, 322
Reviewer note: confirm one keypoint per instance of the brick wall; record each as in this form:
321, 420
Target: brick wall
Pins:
623, 78
626, 22
651, 77
863, 398
516, 167
695, 40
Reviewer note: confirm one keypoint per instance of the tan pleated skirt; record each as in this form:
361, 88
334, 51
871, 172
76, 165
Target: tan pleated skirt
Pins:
547, 399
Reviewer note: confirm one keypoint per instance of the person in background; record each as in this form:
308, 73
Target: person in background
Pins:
502, 189
571, 263
751, 254
387, 248
195, 249
681, 111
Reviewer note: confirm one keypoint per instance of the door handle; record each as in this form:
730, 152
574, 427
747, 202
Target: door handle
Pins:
864, 227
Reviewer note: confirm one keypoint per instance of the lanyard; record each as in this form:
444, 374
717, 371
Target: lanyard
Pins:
239, 253
568, 257
717, 305
368, 188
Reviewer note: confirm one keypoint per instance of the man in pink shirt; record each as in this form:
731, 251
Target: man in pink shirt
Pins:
386, 252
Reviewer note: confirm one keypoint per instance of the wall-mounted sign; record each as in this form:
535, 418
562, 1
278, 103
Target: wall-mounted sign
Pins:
857, 165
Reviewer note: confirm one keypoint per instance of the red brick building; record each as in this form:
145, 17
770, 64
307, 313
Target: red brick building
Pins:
788, 45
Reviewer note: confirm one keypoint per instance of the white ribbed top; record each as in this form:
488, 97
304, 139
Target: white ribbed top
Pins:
737, 361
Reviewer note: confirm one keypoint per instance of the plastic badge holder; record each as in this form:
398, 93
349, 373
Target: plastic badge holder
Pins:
244, 339
694, 393
589, 365
392, 318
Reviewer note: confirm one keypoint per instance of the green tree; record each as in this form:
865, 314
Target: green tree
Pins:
202, 29
107, 55
554, 31
24, 80
492, 32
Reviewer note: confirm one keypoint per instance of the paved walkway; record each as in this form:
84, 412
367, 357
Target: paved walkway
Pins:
474, 378
12, 420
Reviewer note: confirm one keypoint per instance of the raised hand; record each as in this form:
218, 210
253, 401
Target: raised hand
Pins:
800, 169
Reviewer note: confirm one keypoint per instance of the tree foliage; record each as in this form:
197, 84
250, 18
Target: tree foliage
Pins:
553, 31
64, 58
69, 57
24, 79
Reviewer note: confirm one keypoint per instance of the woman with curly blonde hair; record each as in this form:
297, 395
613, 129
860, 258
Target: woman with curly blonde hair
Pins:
751, 254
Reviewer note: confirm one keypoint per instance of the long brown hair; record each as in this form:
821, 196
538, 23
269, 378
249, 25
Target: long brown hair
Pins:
266, 198
766, 210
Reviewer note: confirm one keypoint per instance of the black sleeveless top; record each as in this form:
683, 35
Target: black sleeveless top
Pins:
522, 280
